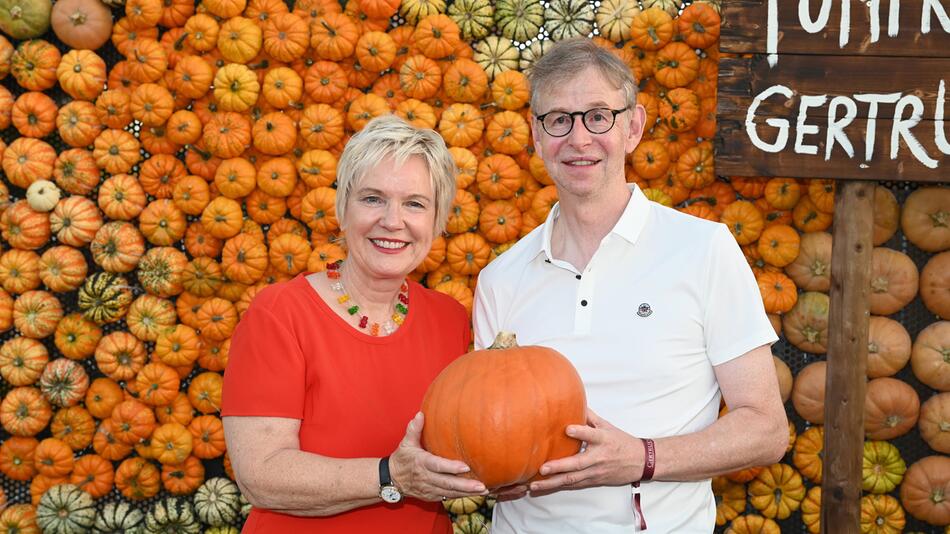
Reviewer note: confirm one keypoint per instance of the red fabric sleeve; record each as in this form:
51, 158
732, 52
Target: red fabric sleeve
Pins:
266, 371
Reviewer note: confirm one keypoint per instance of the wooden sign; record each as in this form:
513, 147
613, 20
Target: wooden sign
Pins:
835, 89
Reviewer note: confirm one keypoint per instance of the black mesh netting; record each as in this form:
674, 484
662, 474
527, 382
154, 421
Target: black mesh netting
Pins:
19, 492
915, 317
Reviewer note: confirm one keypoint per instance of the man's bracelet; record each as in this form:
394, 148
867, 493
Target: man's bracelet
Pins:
649, 459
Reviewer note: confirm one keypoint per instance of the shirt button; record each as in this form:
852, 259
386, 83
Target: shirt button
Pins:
584, 302
577, 276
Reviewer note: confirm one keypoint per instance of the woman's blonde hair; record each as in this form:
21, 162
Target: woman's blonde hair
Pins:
391, 136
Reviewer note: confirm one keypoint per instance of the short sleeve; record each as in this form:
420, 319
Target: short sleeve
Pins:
735, 321
484, 314
266, 371
466, 334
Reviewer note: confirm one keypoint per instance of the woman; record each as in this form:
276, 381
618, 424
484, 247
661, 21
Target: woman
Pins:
326, 370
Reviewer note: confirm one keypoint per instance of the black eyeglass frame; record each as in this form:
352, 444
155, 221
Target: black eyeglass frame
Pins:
613, 121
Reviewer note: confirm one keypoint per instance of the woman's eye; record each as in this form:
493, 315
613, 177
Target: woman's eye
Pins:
415, 204
372, 200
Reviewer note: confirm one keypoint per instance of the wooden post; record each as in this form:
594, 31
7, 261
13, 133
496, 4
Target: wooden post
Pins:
846, 383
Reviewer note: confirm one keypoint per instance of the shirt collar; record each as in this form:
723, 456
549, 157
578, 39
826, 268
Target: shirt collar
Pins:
628, 227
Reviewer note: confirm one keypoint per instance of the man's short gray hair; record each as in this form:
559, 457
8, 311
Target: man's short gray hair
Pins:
569, 58
388, 136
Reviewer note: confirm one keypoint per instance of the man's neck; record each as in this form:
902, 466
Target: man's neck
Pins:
581, 225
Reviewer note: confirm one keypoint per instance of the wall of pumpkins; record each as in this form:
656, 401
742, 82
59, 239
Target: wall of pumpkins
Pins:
161, 168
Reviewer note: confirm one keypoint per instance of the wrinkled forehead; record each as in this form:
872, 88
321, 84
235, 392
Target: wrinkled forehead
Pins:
580, 91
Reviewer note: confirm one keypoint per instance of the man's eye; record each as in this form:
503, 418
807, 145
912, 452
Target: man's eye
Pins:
559, 119
598, 116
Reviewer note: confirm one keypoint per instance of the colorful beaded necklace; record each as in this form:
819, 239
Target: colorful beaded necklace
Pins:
400, 309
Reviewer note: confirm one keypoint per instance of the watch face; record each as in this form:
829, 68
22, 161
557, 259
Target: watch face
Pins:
390, 494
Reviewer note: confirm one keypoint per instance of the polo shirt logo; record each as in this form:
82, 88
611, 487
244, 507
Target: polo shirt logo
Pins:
644, 310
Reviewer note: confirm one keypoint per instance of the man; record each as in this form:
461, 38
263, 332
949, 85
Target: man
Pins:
657, 310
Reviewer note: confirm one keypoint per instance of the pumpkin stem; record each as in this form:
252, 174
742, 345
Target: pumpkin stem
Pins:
504, 340
202, 153
941, 218
879, 285
819, 268
937, 496
78, 18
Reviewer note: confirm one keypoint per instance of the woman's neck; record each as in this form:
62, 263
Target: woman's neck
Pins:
374, 296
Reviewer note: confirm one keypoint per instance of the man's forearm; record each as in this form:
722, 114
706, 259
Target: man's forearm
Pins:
740, 439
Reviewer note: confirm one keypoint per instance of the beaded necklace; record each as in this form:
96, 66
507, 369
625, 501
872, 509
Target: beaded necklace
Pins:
400, 309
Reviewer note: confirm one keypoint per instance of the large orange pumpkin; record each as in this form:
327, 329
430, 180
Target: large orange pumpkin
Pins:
891, 408
924, 490
808, 392
930, 356
935, 285
507, 427
894, 281
934, 422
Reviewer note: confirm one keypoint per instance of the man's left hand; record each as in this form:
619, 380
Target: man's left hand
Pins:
611, 458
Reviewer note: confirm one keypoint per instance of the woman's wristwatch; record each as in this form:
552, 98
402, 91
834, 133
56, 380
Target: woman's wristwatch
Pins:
387, 490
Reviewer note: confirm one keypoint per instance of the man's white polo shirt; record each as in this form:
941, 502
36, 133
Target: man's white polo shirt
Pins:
666, 297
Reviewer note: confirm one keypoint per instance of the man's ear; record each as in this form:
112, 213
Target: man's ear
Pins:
637, 125
535, 132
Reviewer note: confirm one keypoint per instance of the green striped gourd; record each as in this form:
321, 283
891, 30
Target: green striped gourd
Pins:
65, 509
172, 515
119, 518
218, 502
474, 18
564, 19
104, 297
519, 20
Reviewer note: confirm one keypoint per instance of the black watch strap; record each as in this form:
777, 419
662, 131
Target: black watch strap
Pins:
384, 478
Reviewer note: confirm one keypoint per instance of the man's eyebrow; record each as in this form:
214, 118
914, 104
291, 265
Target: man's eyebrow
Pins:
593, 105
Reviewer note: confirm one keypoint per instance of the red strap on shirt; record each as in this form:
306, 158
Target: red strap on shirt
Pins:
649, 461
637, 510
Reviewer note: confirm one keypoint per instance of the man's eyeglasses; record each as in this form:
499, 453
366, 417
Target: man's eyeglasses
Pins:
597, 120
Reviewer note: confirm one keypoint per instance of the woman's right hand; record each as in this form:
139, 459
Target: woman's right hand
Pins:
425, 476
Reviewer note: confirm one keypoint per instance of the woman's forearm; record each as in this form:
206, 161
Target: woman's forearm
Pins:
299, 483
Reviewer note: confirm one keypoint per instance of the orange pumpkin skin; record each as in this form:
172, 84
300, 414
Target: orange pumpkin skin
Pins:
930, 356
934, 422
891, 408
894, 281
474, 430
808, 392
924, 488
935, 285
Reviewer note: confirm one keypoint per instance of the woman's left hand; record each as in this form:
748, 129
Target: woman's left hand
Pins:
425, 476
